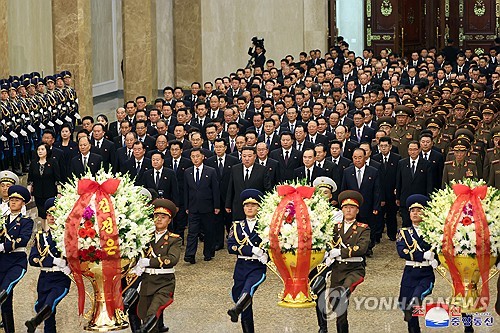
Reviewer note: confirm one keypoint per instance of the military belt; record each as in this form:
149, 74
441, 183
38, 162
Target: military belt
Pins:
19, 249
418, 264
157, 271
51, 269
352, 259
248, 257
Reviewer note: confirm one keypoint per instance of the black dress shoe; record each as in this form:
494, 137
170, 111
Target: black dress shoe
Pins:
392, 239
207, 258
219, 247
369, 253
190, 260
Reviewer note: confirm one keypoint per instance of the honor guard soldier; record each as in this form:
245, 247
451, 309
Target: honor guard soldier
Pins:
402, 131
158, 283
15, 235
459, 168
53, 281
7, 179
351, 240
327, 187
250, 269
418, 275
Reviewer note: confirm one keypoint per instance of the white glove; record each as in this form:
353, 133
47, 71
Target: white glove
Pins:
334, 253
61, 263
498, 265
434, 263
264, 258
429, 255
31, 129
42, 126
66, 270
23, 132
338, 216
13, 134
257, 251
137, 270
3, 138
329, 261
143, 263
68, 119
2, 247
59, 122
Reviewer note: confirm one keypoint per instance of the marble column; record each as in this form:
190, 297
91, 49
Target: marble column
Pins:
4, 40
140, 68
71, 22
188, 42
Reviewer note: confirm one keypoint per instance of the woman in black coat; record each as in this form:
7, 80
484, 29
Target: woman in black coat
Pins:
43, 177
69, 148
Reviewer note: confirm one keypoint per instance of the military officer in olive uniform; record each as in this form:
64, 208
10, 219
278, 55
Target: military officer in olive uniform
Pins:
418, 275
471, 156
402, 132
492, 154
250, 269
351, 240
494, 178
158, 282
327, 187
53, 281
442, 143
15, 235
459, 168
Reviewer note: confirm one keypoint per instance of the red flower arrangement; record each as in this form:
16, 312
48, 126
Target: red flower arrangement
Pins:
92, 254
466, 221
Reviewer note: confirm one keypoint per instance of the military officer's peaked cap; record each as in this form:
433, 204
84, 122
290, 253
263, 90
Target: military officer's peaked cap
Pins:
49, 78
402, 110
251, 195
165, 206
460, 144
495, 131
325, 182
434, 122
9, 177
66, 74
416, 201
20, 192
350, 197
386, 121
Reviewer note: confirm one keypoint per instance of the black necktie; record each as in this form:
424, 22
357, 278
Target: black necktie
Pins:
413, 168
221, 165
84, 163
129, 154
197, 176
157, 178
98, 144
308, 176
175, 165
247, 175
286, 157
138, 166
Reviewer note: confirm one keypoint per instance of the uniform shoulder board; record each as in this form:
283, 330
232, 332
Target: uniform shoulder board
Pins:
490, 149
474, 153
448, 162
239, 221
445, 138
495, 162
412, 126
404, 228
174, 235
395, 139
471, 162
362, 225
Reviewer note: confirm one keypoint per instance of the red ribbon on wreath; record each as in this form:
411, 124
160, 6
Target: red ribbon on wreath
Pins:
108, 235
474, 196
297, 280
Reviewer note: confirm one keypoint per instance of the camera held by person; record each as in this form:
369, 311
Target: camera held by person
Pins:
257, 53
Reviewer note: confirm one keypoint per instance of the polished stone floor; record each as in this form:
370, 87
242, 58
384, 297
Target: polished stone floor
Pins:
203, 297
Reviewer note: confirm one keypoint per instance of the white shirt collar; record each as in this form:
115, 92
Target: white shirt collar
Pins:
265, 161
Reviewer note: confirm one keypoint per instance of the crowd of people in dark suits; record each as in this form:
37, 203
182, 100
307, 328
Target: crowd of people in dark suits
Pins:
384, 126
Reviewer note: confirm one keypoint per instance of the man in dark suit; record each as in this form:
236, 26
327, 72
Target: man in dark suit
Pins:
360, 132
312, 133
85, 160
141, 129
389, 166
365, 180
138, 164
162, 179
247, 174
300, 142
104, 147
264, 160
434, 157
202, 201
114, 127
414, 176
309, 171
347, 146
179, 164
125, 127
269, 136
223, 164
288, 158
123, 154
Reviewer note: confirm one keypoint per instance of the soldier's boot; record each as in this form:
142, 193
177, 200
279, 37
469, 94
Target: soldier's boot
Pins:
148, 325
161, 325
343, 326
243, 302
8, 322
130, 296
39, 318
468, 326
135, 322
322, 322
408, 312
247, 326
